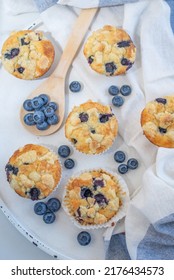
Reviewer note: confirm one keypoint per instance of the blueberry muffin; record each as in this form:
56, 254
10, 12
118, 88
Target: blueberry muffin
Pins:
93, 198
110, 51
27, 54
157, 121
33, 171
91, 127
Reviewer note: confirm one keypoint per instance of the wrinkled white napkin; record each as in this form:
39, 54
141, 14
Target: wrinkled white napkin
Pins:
152, 76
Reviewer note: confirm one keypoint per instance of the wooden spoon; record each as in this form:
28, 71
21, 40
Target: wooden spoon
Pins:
54, 86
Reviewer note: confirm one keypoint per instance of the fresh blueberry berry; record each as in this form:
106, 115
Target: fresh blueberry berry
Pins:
34, 193
40, 208
161, 100
42, 126
14, 52
86, 192
162, 130
123, 44
38, 117
113, 90
110, 67
117, 101
125, 90
122, 168
53, 105
53, 120
37, 102
64, 151
20, 69
49, 217
28, 119
83, 117
27, 105
69, 163
90, 59
84, 238
53, 204
132, 163
44, 97
49, 111
75, 86
119, 156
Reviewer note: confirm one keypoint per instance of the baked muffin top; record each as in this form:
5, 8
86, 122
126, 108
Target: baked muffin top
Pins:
91, 127
27, 54
110, 51
157, 121
33, 171
93, 197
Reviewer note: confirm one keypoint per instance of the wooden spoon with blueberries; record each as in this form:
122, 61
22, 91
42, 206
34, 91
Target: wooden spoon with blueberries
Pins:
48, 100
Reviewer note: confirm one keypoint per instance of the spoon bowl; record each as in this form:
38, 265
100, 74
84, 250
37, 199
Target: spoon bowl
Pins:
54, 86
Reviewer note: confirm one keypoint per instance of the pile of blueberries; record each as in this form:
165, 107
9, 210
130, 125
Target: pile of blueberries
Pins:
118, 100
120, 157
64, 151
48, 209
44, 113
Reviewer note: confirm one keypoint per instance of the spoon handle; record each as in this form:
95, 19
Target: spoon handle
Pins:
78, 32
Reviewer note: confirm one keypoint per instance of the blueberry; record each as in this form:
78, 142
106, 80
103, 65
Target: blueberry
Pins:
69, 163
117, 101
98, 183
40, 208
34, 193
53, 204
73, 140
93, 131
53, 120
132, 163
14, 52
83, 117
125, 90
42, 126
37, 102
119, 156
27, 105
15, 170
53, 105
23, 42
38, 117
161, 100
100, 199
64, 151
44, 97
125, 62
90, 59
9, 167
122, 168
104, 117
162, 130
86, 192
7, 56
49, 112
28, 119
49, 217
110, 67
75, 86
113, 90
123, 44
84, 238
20, 69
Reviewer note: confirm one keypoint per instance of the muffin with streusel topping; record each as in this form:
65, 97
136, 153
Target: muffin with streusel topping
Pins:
157, 121
110, 51
93, 198
27, 54
91, 127
33, 171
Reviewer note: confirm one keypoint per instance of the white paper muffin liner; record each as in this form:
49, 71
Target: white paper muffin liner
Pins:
121, 213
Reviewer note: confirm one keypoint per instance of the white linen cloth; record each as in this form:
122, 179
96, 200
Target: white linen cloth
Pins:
152, 76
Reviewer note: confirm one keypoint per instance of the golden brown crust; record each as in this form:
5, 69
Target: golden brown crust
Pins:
157, 121
33, 55
110, 45
33, 166
94, 135
93, 198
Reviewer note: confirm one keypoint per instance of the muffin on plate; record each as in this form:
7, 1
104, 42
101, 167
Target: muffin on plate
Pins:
157, 121
93, 198
33, 171
91, 127
110, 51
27, 54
